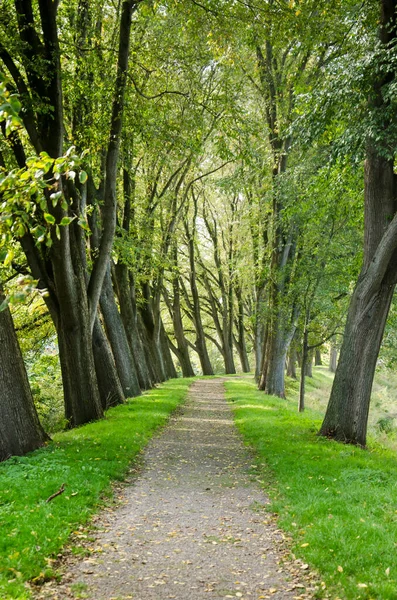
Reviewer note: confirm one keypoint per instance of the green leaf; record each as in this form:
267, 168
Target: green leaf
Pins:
49, 218
15, 103
83, 177
66, 221
9, 257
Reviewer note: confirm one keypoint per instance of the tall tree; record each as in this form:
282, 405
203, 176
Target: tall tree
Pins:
60, 266
347, 412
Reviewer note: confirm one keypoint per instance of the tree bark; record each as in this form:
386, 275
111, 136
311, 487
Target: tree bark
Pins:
279, 338
305, 356
259, 333
291, 364
151, 335
309, 364
20, 429
333, 358
317, 358
240, 342
126, 296
110, 389
166, 353
118, 340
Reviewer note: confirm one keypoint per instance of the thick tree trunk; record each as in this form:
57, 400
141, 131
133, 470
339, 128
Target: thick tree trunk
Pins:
228, 358
273, 382
166, 354
347, 412
20, 429
128, 311
110, 388
279, 338
151, 336
81, 393
118, 340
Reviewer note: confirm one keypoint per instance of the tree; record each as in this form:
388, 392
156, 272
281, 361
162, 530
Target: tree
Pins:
33, 61
20, 429
347, 412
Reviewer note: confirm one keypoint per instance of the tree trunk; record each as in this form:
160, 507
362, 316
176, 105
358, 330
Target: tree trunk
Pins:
333, 358
128, 311
291, 364
20, 429
309, 364
150, 336
228, 358
241, 343
201, 345
166, 354
317, 358
273, 383
118, 340
278, 341
347, 412
259, 334
110, 389
305, 356
176, 315
80, 385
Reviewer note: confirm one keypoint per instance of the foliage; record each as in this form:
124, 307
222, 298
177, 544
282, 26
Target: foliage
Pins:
86, 459
337, 502
25, 207
46, 385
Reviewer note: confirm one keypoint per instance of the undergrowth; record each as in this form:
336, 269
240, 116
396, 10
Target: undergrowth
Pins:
86, 460
338, 502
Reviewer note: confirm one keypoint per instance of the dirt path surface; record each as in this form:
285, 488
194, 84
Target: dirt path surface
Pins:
192, 526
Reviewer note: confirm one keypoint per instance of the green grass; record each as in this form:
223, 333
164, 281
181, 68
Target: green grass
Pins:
338, 502
87, 460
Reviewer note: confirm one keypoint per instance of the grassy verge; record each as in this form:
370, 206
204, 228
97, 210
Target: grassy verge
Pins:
338, 502
87, 460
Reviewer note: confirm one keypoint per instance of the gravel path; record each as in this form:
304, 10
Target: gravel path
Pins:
192, 526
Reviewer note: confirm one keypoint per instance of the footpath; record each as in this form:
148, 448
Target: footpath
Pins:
192, 525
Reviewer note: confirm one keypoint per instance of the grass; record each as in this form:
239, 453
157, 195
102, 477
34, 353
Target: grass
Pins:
87, 460
338, 502
382, 422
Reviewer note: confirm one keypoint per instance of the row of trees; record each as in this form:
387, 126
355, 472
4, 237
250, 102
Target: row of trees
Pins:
186, 178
